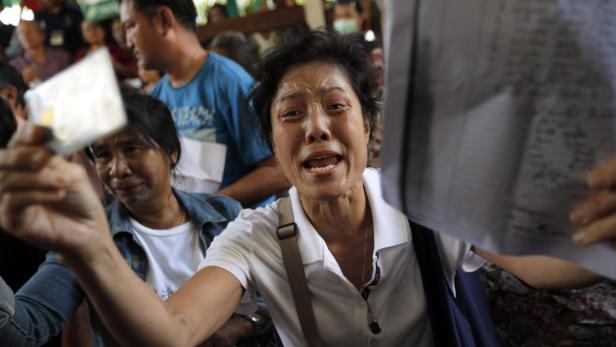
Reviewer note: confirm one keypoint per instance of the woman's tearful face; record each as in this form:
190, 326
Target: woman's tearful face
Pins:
318, 131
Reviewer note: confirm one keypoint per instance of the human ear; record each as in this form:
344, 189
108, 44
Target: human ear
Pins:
9, 93
367, 130
174, 159
165, 19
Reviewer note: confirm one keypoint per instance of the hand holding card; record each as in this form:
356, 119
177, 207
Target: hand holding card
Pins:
80, 104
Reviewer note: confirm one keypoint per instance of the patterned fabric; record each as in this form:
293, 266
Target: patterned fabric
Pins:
527, 317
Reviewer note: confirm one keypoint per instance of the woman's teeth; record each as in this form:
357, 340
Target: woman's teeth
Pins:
318, 169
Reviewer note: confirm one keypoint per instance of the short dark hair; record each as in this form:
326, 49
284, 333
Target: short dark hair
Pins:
354, 3
8, 124
372, 45
38, 24
298, 47
151, 118
239, 48
9, 76
184, 11
105, 25
220, 7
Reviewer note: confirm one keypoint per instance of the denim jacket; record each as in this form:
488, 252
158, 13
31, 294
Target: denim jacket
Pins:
42, 307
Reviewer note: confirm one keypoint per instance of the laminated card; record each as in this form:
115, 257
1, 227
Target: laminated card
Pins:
80, 104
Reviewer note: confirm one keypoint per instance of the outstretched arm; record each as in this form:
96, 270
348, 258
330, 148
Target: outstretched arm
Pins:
136, 316
49, 203
542, 272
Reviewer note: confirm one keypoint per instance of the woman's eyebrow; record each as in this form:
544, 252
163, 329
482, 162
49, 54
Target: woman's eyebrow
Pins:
329, 89
290, 96
95, 147
298, 94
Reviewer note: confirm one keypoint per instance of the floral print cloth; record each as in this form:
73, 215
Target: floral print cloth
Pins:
528, 317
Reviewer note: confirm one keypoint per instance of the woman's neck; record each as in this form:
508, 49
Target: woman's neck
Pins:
165, 215
95, 46
341, 217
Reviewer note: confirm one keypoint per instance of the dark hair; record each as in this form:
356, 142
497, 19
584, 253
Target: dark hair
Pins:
220, 7
9, 76
8, 124
353, 3
105, 25
184, 11
151, 118
38, 24
298, 47
372, 45
239, 48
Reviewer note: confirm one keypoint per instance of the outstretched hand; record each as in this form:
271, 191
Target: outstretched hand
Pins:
595, 217
45, 200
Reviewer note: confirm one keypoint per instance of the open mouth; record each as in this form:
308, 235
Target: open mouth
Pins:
322, 163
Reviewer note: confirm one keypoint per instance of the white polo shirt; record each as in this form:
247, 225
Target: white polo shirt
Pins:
249, 250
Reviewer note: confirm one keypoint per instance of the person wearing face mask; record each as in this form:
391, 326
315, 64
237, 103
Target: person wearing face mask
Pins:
347, 16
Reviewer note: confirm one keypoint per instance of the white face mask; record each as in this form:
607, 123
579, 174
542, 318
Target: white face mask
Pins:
345, 26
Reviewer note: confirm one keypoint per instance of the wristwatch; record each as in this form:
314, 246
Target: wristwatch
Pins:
256, 320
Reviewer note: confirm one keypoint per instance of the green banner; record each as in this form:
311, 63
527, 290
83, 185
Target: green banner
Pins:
9, 3
97, 10
232, 9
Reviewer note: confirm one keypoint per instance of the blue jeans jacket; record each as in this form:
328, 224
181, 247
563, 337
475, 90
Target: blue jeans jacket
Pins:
42, 307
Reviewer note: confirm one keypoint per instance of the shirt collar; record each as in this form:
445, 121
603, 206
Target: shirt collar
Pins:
390, 226
199, 211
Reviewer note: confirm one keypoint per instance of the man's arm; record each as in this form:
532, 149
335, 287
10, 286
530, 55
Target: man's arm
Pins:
264, 181
543, 272
41, 307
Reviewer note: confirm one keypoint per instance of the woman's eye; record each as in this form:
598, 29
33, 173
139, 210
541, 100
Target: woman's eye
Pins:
132, 149
291, 113
336, 106
101, 155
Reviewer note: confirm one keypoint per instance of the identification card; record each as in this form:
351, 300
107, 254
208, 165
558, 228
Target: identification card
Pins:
80, 104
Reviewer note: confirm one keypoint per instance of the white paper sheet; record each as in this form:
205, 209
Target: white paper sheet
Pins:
201, 166
512, 102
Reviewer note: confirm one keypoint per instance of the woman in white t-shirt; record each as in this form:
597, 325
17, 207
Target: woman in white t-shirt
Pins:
315, 103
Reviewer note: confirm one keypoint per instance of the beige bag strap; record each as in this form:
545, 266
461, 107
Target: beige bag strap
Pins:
287, 237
